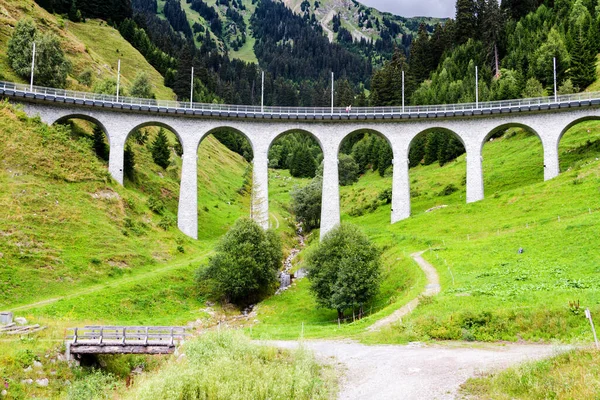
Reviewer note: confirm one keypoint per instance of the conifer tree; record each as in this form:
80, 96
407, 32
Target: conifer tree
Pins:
129, 162
385, 157
160, 149
421, 61
466, 20
100, 147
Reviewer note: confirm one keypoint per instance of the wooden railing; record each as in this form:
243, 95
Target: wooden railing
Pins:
125, 339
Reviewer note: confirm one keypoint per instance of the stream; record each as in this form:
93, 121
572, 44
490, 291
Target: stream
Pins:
286, 277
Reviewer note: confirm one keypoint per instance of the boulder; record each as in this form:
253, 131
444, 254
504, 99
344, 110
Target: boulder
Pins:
21, 321
42, 382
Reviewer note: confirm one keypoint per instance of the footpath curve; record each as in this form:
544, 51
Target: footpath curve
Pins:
432, 288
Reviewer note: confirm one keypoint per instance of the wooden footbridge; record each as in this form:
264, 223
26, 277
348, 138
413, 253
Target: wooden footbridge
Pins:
124, 339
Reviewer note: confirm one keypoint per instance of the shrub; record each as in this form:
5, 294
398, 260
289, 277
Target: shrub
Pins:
166, 222
96, 385
156, 205
306, 204
344, 270
86, 77
448, 190
244, 268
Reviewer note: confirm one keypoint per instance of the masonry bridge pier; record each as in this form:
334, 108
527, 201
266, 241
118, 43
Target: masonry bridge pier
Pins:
549, 118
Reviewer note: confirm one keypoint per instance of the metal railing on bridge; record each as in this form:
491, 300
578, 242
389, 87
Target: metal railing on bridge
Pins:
489, 107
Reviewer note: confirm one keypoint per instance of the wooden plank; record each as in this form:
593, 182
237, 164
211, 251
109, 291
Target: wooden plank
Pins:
150, 349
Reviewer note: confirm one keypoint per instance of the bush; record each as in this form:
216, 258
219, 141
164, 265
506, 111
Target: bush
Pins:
344, 270
166, 222
244, 268
306, 204
86, 77
448, 190
96, 385
155, 205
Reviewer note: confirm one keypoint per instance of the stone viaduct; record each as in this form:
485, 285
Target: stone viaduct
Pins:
549, 120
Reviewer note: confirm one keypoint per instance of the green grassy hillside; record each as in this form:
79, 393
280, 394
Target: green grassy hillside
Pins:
489, 290
91, 45
67, 226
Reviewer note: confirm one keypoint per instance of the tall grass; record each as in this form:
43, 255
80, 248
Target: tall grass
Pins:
571, 375
228, 366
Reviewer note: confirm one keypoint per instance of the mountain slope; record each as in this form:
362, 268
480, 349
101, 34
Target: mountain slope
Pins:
92, 45
66, 225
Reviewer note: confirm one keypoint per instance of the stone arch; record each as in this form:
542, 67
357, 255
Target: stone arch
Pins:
485, 160
85, 117
160, 124
294, 130
435, 128
426, 195
506, 126
238, 131
366, 130
572, 124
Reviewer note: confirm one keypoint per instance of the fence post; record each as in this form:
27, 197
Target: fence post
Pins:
588, 315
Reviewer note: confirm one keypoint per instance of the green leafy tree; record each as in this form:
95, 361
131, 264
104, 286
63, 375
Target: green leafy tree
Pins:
306, 204
129, 163
142, 87
20, 46
344, 270
160, 149
543, 66
244, 268
100, 147
347, 170
51, 66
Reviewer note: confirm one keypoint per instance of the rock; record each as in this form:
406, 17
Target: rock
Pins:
42, 382
21, 321
28, 369
61, 357
37, 364
27, 381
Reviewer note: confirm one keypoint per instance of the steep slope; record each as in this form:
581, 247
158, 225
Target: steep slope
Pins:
490, 290
66, 225
92, 45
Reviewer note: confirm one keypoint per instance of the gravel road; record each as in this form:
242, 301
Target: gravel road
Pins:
416, 371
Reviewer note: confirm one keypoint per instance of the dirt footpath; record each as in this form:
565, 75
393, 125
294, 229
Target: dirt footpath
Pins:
416, 371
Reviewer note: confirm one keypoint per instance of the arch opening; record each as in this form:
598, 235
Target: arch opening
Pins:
513, 157
152, 166
579, 142
89, 128
437, 169
224, 180
365, 169
295, 160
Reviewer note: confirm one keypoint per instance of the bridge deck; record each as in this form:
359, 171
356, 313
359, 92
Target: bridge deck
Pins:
201, 110
125, 339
